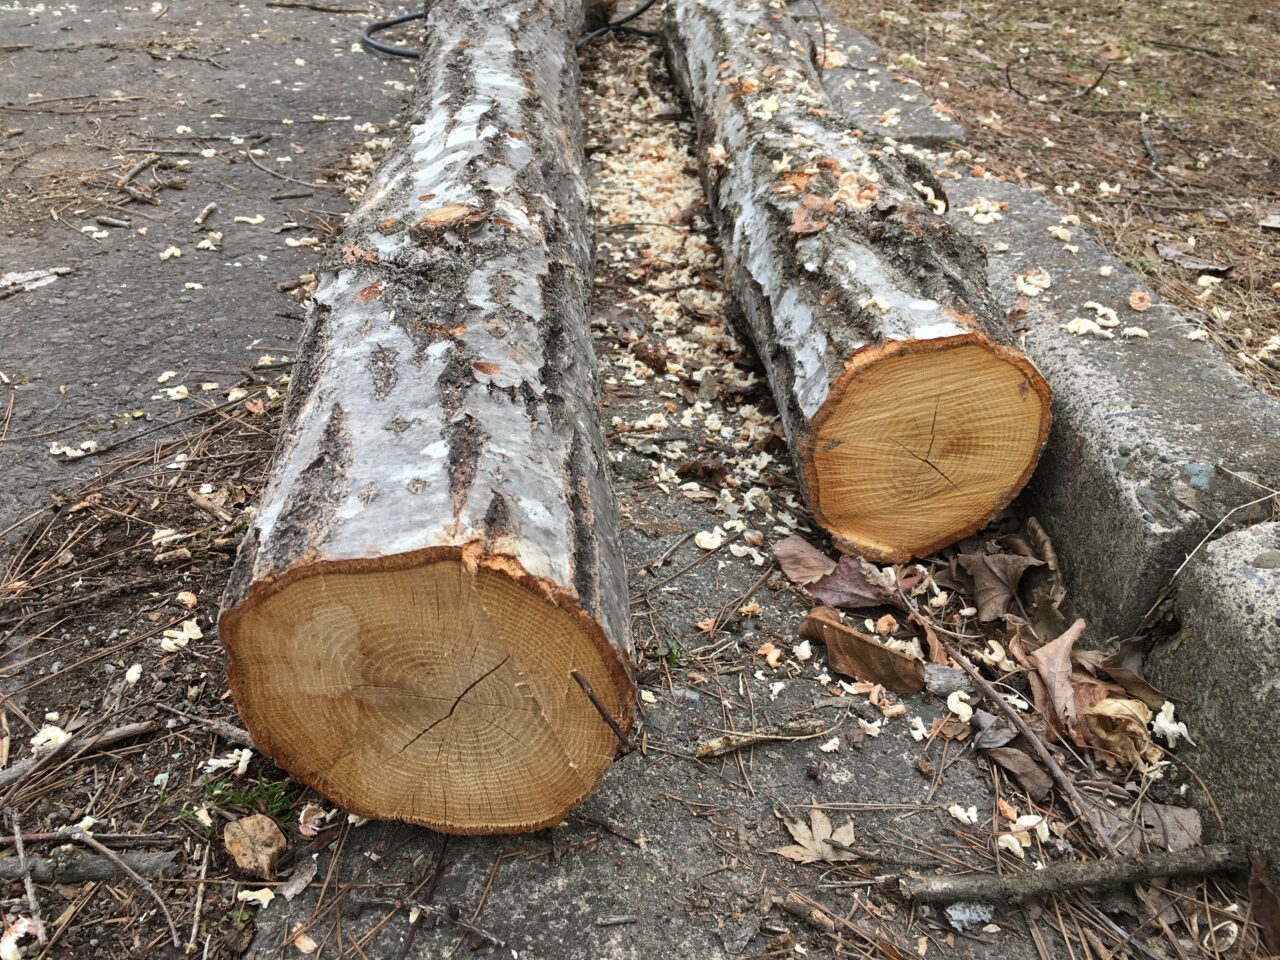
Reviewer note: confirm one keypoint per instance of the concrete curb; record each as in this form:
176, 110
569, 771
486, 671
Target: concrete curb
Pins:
1159, 451
1223, 672
1154, 441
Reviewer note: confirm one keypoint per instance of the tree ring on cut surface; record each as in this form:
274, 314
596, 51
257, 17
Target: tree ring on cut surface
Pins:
921, 442
433, 688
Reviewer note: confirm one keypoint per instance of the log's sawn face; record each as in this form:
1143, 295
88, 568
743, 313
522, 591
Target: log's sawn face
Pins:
437, 550
911, 417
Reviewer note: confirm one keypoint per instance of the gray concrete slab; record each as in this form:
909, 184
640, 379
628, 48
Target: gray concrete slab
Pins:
1223, 673
83, 353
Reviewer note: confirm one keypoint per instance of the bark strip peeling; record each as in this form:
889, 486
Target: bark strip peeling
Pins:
849, 280
444, 410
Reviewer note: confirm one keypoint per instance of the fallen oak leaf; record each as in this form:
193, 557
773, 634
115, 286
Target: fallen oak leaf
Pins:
995, 580
860, 655
1188, 262
1025, 770
851, 586
1263, 902
1119, 730
1053, 666
801, 561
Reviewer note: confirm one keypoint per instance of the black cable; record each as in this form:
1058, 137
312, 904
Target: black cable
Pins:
616, 25
367, 38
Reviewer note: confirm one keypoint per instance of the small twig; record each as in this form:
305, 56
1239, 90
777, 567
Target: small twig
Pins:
1061, 877
1087, 814
195, 913
822, 27
627, 745
136, 169
276, 173
228, 731
311, 5
452, 915
1271, 495
1093, 86
683, 570
88, 840
666, 554
26, 879
428, 895
793, 730
208, 506
16, 775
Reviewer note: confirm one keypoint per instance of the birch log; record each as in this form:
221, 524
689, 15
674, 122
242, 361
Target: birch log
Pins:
911, 417
436, 549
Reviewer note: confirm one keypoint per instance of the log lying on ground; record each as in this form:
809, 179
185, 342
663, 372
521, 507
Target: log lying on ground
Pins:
910, 415
436, 551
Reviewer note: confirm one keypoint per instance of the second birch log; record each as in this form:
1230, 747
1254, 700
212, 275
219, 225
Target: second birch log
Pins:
911, 416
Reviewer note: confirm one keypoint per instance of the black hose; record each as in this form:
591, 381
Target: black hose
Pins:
367, 38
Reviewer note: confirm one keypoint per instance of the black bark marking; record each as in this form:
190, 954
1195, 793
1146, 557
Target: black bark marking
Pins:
497, 519
466, 439
582, 537
316, 493
383, 368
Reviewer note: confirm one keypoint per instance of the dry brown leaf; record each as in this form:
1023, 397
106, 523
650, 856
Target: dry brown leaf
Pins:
995, 580
801, 561
814, 840
850, 587
1264, 903
1034, 780
1119, 728
856, 654
1053, 665
255, 843
950, 728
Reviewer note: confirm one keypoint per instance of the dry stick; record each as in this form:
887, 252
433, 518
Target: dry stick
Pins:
19, 772
60, 836
1271, 495
1086, 813
88, 840
195, 918
793, 730
26, 878
427, 895
683, 570
1059, 878
451, 915
227, 731
319, 7
627, 745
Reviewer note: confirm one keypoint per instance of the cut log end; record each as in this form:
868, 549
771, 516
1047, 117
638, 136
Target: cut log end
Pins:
921, 442
437, 691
